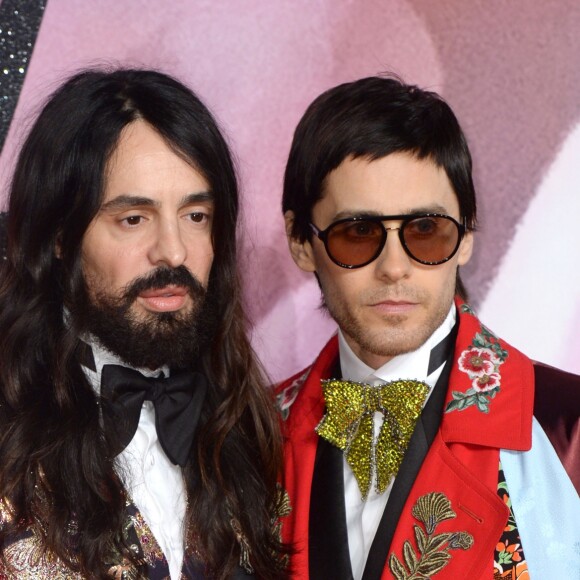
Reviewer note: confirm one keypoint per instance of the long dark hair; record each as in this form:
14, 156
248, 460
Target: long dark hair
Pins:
51, 443
371, 118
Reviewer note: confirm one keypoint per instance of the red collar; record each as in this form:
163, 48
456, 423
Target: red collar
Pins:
489, 400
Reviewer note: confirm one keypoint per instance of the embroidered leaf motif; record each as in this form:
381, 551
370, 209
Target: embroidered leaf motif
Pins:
282, 508
397, 568
466, 309
480, 341
420, 538
435, 563
483, 405
430, 509
487, 332
438, 541
410, 558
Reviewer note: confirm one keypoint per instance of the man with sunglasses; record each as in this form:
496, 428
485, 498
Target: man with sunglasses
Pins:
413, 446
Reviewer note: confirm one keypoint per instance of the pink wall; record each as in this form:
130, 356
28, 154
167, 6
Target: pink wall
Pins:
510, 74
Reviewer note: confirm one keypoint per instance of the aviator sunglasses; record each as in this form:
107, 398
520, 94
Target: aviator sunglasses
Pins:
428, 238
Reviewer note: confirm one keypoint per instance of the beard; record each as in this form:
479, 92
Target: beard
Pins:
151, 339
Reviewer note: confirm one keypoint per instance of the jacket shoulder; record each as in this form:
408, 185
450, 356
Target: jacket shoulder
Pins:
557, 394
557, 409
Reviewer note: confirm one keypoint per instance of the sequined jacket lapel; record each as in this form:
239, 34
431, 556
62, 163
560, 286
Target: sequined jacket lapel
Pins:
489, 406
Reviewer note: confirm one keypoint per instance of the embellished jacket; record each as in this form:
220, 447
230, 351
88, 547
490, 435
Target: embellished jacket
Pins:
28, 559
459, 519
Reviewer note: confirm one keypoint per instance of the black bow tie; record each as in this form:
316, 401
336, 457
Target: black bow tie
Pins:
177, 400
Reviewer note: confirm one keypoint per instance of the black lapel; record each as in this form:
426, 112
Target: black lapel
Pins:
328, 553
419, 444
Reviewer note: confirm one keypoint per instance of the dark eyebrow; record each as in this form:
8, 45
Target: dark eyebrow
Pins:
202, 196
435, 208
126, 201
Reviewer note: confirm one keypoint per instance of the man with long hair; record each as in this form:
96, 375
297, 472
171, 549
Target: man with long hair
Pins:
137, 437
413, 445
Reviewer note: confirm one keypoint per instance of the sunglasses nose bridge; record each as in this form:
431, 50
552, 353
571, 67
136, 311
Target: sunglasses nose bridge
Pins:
400, 225
386, 230
391, 229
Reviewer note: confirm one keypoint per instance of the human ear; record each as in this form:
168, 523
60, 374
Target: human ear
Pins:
301, 252
465, 249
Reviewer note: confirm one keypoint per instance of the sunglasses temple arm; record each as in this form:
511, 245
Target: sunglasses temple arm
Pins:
316, 231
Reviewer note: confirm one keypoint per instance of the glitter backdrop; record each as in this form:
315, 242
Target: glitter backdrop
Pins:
19, 24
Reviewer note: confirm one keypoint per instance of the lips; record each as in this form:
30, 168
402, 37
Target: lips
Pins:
166, 299
394, 306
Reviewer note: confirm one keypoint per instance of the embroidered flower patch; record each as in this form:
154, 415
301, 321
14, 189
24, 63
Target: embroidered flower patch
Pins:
481, 362
478, 361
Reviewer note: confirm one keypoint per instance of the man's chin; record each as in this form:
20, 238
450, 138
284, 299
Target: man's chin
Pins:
143, 315
148, 339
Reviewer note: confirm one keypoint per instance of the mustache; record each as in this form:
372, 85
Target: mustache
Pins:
393, 293
162, 277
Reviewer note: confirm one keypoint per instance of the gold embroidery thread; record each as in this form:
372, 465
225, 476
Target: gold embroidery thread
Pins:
433, 549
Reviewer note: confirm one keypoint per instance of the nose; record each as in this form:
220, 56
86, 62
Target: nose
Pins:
168, 247
393, 263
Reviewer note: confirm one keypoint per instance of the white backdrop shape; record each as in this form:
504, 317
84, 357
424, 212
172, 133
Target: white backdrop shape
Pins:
534, 300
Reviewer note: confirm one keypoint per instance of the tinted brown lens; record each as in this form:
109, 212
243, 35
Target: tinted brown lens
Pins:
431, 239
354, 243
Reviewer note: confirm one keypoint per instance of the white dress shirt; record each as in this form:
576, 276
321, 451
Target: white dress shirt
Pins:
363, 517
154, 484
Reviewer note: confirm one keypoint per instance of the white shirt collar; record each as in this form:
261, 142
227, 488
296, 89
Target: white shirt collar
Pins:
412, 365
103, 357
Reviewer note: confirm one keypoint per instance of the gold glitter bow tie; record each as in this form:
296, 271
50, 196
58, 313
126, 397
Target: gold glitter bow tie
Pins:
349, 425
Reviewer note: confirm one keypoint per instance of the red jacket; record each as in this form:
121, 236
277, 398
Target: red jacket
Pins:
489, 406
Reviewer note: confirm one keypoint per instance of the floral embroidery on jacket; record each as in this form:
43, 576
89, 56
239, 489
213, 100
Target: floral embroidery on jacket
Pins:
287, 396
481, 362
27, 558
152, 553
430, 509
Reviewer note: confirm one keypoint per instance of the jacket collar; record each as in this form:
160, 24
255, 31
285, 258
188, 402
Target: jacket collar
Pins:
489, 400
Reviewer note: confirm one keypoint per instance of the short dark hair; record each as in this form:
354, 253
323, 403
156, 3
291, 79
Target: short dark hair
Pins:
372, 118
51, 439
